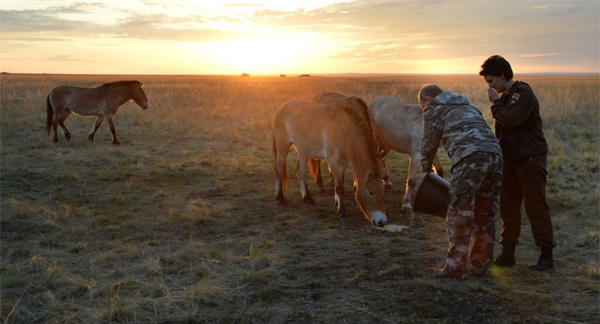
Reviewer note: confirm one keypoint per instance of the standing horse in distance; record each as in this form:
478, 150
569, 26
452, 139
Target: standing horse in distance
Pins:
399, 127
102, 102
338, 135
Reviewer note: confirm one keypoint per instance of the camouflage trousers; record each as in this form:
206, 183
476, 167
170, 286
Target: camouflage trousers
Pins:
474, 190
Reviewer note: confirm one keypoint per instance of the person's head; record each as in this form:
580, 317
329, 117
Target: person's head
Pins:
427, 93
497, 73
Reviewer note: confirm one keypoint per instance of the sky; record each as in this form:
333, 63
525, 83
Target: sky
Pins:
272, 37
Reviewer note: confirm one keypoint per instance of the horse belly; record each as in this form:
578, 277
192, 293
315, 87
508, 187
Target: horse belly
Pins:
314, 146
86, 103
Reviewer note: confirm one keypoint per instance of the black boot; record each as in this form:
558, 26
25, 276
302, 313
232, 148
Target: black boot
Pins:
507, 257
545, 261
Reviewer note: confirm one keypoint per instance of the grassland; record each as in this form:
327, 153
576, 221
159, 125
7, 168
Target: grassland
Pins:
179, 223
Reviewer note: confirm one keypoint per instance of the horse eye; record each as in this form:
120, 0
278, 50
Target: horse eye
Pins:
371, 193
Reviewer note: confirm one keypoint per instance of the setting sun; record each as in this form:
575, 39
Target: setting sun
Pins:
264, 55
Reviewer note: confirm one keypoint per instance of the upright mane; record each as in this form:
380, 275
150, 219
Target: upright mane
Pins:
121, 83
363, 122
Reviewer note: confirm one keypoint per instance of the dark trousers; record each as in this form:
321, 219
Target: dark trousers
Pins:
525, 180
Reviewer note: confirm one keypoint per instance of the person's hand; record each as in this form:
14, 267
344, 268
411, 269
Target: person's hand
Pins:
493, 95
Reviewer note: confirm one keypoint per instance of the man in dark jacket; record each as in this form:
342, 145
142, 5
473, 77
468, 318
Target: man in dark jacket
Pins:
476, 174
519, 129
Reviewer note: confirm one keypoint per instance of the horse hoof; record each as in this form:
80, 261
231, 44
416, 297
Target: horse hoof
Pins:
281, 201
116, 143
406, 210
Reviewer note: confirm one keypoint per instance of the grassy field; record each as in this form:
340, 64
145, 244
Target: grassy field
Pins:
179, 223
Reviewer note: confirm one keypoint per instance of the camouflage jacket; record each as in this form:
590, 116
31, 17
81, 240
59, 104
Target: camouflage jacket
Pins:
450, 119
518, 123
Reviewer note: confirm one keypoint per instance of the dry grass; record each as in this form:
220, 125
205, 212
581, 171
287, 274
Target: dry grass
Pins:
179, 223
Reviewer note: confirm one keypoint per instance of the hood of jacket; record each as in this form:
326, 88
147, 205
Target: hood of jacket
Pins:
449, 98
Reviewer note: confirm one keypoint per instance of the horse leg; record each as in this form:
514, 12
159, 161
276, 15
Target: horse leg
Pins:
386, 176
112, 129
61, 122
319, 177
280, 153
99, 120
439, 170
301, 174
337, 172
414, 161
55, 122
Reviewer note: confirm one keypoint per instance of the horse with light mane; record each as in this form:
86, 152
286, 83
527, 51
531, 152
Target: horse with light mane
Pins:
399, 127
102, 102
338, 135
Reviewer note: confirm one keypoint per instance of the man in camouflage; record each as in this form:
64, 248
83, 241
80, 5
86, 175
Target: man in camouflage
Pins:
476, 173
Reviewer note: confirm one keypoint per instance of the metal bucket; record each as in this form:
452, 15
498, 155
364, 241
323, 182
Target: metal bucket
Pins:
432, 195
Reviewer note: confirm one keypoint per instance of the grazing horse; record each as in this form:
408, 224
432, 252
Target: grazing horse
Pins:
102, 102
399, 127
337, 134
356, 104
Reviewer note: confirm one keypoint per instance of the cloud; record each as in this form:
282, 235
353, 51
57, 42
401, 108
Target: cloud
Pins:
362, 31
536, 55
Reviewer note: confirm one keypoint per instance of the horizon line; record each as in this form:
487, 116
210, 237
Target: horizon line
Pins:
306, 74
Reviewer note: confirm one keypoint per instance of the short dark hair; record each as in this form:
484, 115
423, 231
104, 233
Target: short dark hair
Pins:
496, 65
429, 90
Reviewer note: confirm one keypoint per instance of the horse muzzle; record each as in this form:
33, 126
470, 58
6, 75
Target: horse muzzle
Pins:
145, 106
378, 218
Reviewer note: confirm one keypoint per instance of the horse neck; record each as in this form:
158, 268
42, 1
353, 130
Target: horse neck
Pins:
120, 94
362, 158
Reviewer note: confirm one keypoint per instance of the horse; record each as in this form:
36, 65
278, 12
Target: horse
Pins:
361, 110
399, 127
102, 102
337, 134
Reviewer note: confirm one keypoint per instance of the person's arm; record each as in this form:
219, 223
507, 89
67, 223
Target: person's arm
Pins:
432, 135
516, 110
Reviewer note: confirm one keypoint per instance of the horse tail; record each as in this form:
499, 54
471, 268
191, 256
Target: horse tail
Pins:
313, 164
284, 176
49, 115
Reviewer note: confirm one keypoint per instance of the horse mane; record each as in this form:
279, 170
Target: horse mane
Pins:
362, 120
121, 83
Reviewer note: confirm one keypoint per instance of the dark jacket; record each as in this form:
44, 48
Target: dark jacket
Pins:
451, 120
518, 123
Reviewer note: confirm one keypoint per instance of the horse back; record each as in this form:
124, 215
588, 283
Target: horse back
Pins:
399, 124
329, 97
315, 128
83, 101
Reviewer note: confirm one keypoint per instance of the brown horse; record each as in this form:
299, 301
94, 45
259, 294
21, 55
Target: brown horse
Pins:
337, 134
355, 103
102, 102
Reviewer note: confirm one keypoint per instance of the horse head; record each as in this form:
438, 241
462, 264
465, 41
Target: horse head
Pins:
370, 197
140, 97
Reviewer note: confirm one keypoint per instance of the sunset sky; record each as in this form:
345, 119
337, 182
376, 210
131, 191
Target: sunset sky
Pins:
272, 37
